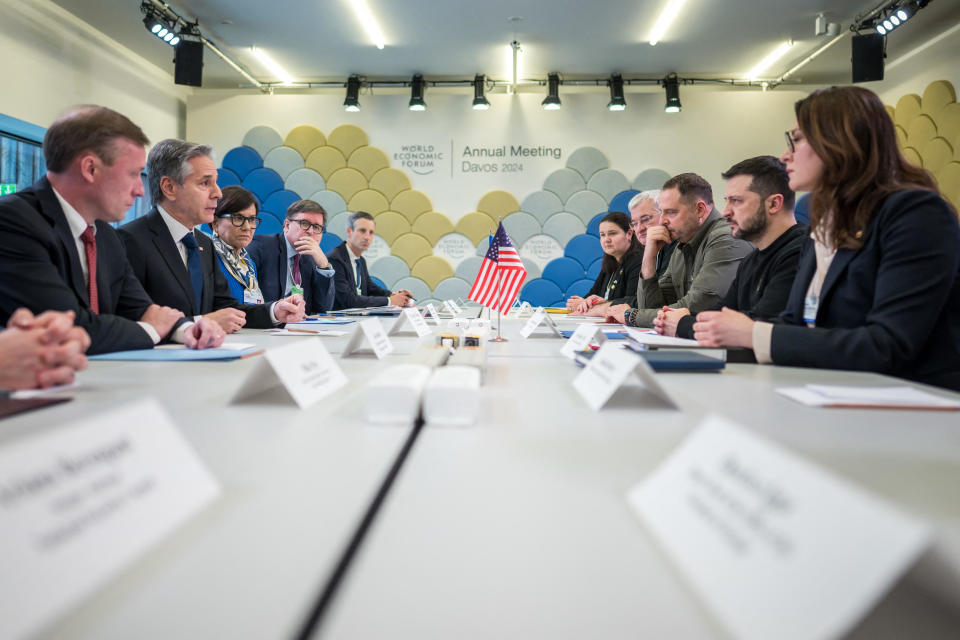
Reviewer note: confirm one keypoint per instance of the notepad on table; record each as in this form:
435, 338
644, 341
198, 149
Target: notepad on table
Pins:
900, 397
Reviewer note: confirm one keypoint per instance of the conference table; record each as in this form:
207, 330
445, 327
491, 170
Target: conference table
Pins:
515, 527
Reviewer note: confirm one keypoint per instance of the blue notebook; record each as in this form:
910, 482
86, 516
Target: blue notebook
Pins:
176, 355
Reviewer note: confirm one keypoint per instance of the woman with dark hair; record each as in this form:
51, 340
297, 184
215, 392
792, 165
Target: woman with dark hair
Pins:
620, 269
234, 223
878, 287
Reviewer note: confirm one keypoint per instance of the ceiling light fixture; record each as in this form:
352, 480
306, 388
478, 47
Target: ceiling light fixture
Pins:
780, 51
159, 26
480, 102
417, 86
672, 87
272, 65
352, 101
617, 101
369, 22
667, 16
552, 101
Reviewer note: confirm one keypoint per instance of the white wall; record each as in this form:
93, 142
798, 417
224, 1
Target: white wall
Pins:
716, 128
53, 60
911, 71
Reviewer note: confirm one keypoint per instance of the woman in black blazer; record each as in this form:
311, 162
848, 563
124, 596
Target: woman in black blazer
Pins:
620, 269
878, 286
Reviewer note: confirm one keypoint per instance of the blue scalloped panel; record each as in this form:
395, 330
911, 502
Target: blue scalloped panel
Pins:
263, 182
227, 178
621, 200
280, 201
329, 242
593, 228
594, 269
242, 160
541, 293
269, 224
563, 272
584, 249
579, 288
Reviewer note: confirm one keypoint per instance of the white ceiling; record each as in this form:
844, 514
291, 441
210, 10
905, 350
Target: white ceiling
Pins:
322, 39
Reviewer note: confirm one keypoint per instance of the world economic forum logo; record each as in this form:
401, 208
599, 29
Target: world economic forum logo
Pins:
421, 159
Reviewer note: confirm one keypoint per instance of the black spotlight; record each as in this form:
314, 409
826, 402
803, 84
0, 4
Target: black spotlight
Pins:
672, 86
617, 101
552, 101
417, 86
158, 25
480, 102
352, 101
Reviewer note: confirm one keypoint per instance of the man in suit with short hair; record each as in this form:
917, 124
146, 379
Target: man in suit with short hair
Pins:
59, 252
175, 262
292, 262
355, 288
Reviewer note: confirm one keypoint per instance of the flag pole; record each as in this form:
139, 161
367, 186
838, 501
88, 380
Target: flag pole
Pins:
499, 337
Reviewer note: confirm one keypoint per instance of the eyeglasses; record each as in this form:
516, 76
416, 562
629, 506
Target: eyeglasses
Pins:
645, 221
238, 220
306, 226
793, 137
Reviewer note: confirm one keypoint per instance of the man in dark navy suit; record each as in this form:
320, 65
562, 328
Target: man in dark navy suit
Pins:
292, 262
354, 286
58, 252
175, 263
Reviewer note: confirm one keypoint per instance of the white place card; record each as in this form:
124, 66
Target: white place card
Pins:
609, 368
581, 339
451, 307
773, 545
534, 322
371, 332
434, 315
410, 316
304, 369
81, 502
654, 339
456, 306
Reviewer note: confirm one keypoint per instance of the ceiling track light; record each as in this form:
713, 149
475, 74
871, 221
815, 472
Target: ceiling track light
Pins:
552, 101
617, 101
417, 87
672, 87
159, 25
480, 102
352, 101
886, 19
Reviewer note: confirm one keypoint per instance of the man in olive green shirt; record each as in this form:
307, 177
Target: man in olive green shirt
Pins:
704, 262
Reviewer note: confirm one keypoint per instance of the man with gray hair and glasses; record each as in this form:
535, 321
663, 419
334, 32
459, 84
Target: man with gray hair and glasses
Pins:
175, 262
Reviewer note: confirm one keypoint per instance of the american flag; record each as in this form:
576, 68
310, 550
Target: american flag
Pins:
501, 274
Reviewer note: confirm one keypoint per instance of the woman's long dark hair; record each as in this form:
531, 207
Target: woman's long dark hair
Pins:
622, 220
852, 133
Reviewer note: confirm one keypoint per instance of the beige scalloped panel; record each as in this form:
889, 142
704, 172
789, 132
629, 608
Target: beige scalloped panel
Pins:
901, 135
936, 96
411, 248
433, 270
391, 225
305, 139
498, 204
921, 130
347, 182
891, 112
390, 182
912, 156
476, 226
348, 138
411, 203
948, 123
936, 154
326, 160
948, 179
368, 160
908, 108
369, 200
432, 226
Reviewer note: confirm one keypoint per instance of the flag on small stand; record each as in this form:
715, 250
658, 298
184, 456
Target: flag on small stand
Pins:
501, 274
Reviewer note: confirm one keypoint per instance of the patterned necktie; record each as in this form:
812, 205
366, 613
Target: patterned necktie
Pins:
90, 248
295, 270
358, 276
195, 269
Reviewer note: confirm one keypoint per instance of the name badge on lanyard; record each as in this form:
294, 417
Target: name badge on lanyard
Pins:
810, 305
296, 290
252, 296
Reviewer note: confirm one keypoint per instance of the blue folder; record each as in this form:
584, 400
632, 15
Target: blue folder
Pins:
175, 355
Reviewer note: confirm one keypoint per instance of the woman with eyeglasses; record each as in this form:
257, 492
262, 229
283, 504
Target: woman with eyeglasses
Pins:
234, 224
878, 286
620, 269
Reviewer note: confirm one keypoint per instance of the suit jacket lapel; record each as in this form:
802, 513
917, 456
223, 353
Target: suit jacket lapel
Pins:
51, 208
837, 266
364, 276
281, 266
167, 248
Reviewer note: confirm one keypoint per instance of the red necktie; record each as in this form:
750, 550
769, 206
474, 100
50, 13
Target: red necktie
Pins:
90, 247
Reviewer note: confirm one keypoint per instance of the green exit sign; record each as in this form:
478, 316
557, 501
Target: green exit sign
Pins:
7, 188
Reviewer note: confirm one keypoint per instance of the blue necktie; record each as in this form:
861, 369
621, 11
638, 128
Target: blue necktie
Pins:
358, 276
194, 268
